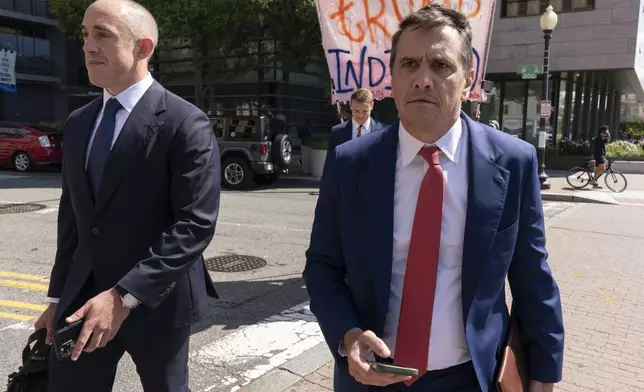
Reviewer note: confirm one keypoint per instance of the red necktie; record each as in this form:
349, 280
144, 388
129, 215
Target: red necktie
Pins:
359, 131
414, 324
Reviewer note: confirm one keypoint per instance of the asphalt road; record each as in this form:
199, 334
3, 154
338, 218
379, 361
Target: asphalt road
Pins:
261, 320
272, 224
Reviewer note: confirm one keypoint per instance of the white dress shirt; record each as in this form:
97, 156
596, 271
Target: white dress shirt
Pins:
366, 128
128, 99
447, 346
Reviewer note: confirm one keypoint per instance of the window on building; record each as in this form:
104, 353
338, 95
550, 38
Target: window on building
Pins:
512, 8
27, 42
514, 102
533, 112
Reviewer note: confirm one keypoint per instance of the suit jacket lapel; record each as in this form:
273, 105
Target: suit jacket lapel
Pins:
137, 131
348, 132
376, 179
77, 146
487, 189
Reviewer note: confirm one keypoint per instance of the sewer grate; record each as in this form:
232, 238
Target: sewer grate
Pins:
234, 263
19, 208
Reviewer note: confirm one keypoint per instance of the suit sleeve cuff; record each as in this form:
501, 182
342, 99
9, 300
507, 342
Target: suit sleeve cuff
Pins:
342, 351
52, 300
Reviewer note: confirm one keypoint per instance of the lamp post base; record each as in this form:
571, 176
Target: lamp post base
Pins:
543, 179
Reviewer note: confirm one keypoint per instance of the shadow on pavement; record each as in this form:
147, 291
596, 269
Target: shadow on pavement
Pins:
41, 178
248, 302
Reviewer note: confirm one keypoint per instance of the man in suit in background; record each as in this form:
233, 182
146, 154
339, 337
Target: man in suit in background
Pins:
139, 204
418, 226
361, 122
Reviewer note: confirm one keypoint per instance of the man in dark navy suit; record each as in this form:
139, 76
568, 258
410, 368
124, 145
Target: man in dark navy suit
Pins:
139, 204
418, 226
361, 122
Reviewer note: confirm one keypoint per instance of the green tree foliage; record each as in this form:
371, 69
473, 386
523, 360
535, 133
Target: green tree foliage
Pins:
635, 129
221, 33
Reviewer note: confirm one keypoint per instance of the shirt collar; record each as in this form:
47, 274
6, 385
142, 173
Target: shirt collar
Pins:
129, 97
409, 146
366, 125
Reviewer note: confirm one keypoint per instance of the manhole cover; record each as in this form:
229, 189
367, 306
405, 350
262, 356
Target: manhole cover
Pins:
234, 263
14, 208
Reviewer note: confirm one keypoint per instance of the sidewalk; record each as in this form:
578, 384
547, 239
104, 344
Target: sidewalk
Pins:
595, 253
561, 191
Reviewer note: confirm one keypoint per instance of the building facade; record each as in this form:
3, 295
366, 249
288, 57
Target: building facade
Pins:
50, 73
596, 63
301, 98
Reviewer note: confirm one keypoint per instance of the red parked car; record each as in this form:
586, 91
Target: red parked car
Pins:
23, 145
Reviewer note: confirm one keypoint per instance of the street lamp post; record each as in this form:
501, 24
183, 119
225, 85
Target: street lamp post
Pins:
548, 23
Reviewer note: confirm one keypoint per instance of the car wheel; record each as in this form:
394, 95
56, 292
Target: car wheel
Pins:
266, 179
21, 161
236, 173
282, 151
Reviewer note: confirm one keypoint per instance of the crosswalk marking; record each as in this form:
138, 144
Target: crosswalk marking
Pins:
24, 285
22, 305
8, 274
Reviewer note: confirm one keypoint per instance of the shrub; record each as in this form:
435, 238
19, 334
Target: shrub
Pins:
624, 149
569, 147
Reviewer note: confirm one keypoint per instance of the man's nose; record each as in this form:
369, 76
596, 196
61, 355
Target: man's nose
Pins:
89, 47
424, 79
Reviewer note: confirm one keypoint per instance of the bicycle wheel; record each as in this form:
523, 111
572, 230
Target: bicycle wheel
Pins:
578, 177
615, 181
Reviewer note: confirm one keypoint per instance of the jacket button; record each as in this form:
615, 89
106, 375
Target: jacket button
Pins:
96, 231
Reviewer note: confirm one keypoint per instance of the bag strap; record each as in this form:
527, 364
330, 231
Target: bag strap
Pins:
39, 335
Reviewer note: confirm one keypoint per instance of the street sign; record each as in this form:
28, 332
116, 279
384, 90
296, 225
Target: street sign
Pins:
546, 109
528, 71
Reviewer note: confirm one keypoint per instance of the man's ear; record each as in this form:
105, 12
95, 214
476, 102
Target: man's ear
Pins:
145, 48
469, 79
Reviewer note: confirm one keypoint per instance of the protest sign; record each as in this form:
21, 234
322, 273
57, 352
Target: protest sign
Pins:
356, 35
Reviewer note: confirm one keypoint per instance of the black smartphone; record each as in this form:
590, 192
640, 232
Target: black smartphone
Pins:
393, 369
65, 338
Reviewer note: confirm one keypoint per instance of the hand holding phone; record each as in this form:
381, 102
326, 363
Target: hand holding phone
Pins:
361, 347
65, 338
393, 369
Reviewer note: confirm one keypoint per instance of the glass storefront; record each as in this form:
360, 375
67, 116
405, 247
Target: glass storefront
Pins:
515, 104
512, 108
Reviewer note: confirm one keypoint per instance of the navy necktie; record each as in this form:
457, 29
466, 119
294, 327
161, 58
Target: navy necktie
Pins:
102, 144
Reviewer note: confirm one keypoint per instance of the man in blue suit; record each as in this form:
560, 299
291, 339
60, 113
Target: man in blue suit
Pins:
361, 122
418, 226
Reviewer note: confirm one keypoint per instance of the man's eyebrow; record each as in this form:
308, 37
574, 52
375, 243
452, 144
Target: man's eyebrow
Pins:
98, 27
407, 58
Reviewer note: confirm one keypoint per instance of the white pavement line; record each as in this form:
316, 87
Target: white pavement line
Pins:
18, 326
47, 210
265, 346
9, 177
266, 226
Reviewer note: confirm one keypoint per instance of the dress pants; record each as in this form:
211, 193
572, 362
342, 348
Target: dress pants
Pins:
459, 378
158, 349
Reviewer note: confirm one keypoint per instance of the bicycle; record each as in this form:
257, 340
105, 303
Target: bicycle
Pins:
580, 177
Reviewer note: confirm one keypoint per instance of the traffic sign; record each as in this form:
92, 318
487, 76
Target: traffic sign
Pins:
546, 109
528, 71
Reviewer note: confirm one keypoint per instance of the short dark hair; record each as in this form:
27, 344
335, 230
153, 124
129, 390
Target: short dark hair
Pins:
431, 17
603, 128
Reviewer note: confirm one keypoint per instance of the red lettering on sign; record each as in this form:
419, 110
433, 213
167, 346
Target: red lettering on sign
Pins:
346, 30
375, 20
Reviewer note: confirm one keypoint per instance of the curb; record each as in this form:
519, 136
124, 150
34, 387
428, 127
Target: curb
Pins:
285, 376
567, 197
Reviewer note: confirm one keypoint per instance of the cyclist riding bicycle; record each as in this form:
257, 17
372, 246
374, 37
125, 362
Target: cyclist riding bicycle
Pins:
599, 152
